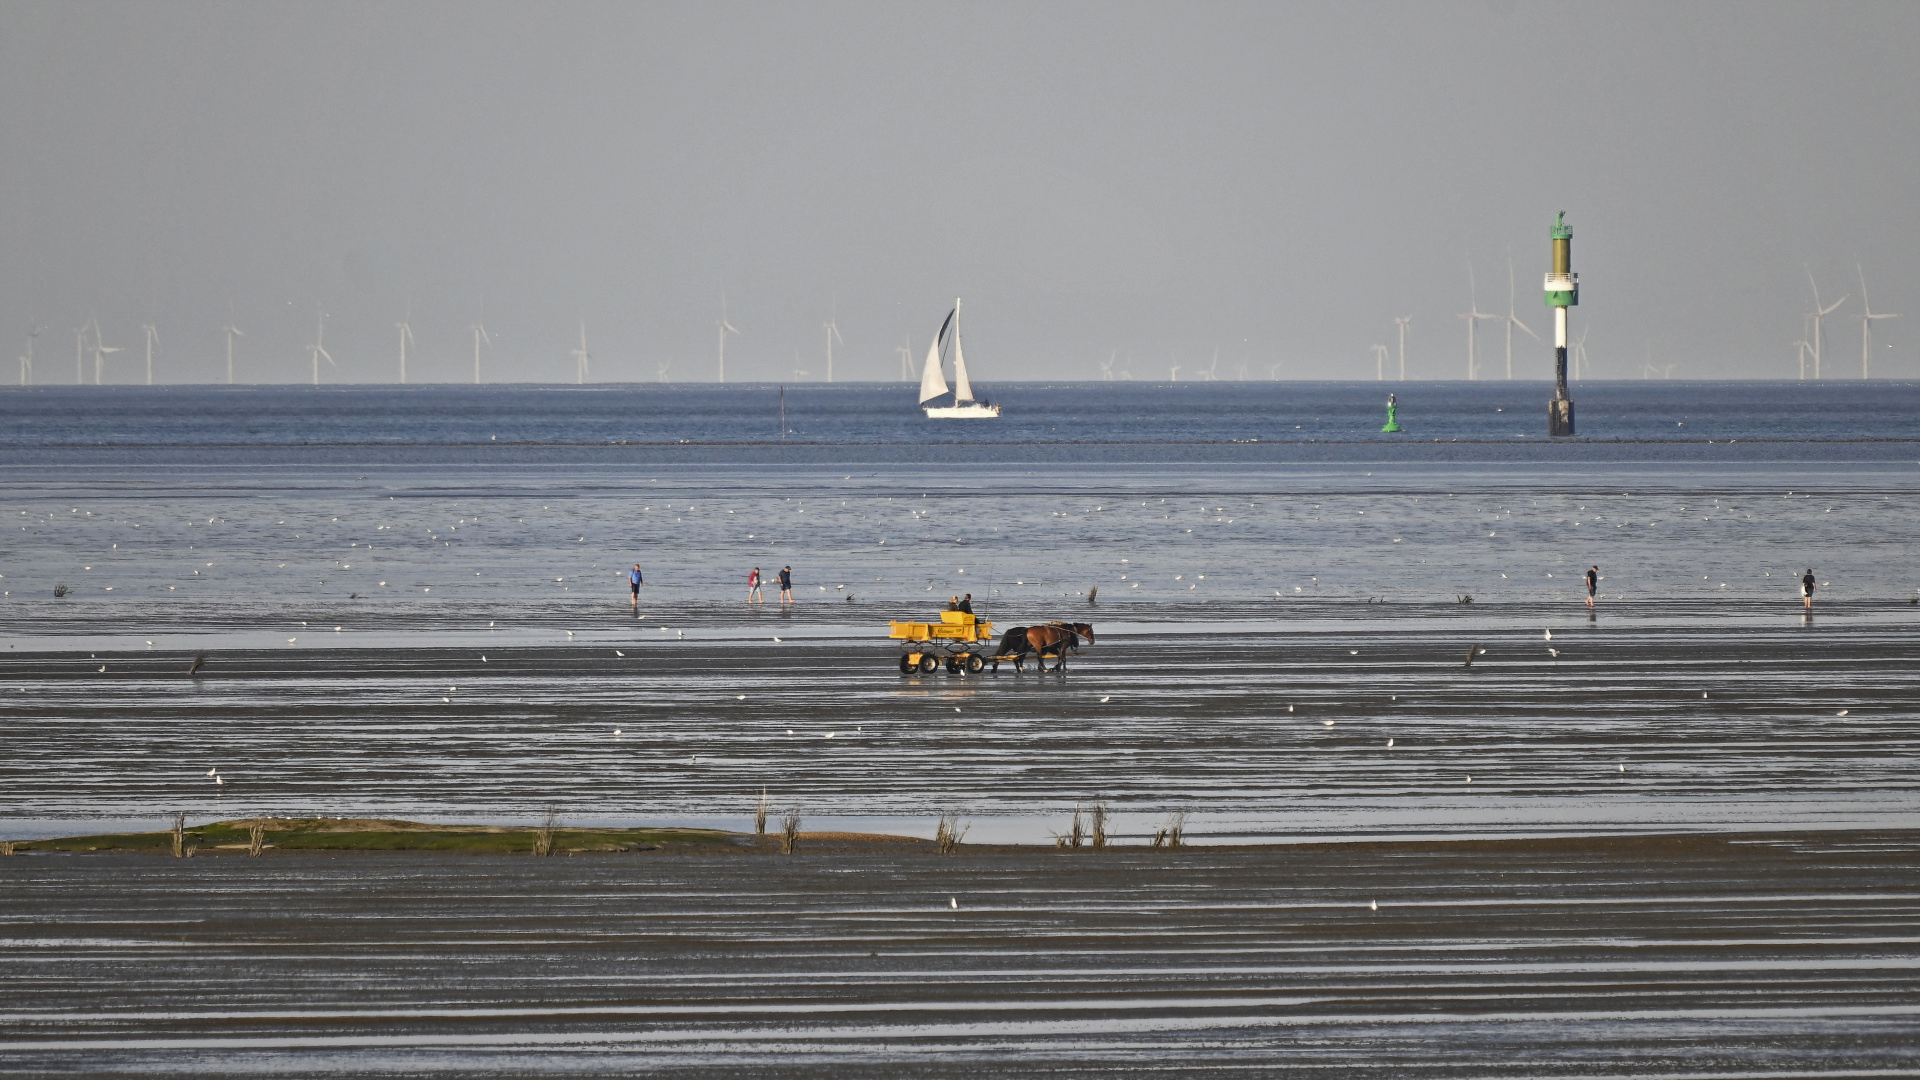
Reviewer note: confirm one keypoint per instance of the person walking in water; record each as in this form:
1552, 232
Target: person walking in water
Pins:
634, 581
786, 585
1593, 583
753, 588
1806, 590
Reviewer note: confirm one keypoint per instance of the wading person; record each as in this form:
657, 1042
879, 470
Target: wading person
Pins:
753, 588
1593, 583
1806, 590
634, 581
786, 584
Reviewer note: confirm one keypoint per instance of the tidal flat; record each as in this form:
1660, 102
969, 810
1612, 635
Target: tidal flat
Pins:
1671, 955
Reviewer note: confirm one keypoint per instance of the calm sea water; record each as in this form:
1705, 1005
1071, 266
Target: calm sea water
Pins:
415, 601
1665, 421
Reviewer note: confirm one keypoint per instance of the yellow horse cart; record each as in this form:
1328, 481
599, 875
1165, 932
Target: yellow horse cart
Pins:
959, 640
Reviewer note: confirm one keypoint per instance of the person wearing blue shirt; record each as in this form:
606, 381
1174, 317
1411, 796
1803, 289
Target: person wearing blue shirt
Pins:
634, 579
786, 585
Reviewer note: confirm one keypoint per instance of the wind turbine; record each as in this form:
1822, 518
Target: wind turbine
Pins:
906, 357
1819, 314
79, 356
1273, 372
582, 360
725, 329
1580, 352
232, 332
153, 335
317, 349
660, 369
1402, 321
100, 347
479, 335
1513, 319
797, 373
1173, 375
26, 359
1473, 317
1216, 363
1866, 325
405, 327
832, 327
1106, 366
1379, 363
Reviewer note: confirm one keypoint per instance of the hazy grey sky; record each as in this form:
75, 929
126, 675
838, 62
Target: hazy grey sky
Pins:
1278, 181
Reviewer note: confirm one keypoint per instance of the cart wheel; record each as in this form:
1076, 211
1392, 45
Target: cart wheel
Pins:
906, 664
976, 664
953, 666
928, 664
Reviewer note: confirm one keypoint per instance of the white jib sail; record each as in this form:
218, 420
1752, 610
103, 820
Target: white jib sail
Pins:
962, 389
932, 382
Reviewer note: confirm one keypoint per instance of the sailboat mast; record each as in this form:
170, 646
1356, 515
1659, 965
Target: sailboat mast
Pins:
962, 388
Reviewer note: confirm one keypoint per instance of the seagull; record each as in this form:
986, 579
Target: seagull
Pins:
1289, 708
292, 640
1623, 767
789, 731
617, 652
616, 733
1549, 635
776, 639
1373, 905
103, 667
1389, 744
954, 902
483, 658
740, 697
213, 772
829, 735
220, 781
956, 708
1555, 652
569, 633
1842, 712
1326, 723
1106, 699
1353, 652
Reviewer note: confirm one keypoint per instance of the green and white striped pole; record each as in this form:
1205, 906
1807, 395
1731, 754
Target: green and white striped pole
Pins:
1563, 292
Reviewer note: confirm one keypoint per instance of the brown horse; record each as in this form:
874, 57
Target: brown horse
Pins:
1055, 638
1058, 637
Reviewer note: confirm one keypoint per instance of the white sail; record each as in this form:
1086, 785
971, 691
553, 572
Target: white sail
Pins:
962, 389
932, 383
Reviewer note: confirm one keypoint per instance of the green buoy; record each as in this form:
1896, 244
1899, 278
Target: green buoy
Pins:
1391, 424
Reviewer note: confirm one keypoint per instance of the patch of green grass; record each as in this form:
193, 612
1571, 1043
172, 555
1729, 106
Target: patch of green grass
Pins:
337, 835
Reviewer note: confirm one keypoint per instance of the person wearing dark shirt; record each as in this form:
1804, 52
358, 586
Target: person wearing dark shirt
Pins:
786, 584
966, 604
1593, 582
1806, 590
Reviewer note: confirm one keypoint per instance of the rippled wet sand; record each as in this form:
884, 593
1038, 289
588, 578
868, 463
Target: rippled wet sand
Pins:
1265, 735
1661, 956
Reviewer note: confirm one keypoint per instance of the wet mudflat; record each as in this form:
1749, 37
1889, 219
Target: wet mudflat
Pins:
1350, 729
1743, 955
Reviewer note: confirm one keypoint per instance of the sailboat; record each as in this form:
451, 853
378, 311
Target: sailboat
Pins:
933, 383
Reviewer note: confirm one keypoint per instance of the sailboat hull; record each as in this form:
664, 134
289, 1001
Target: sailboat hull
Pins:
969, 410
